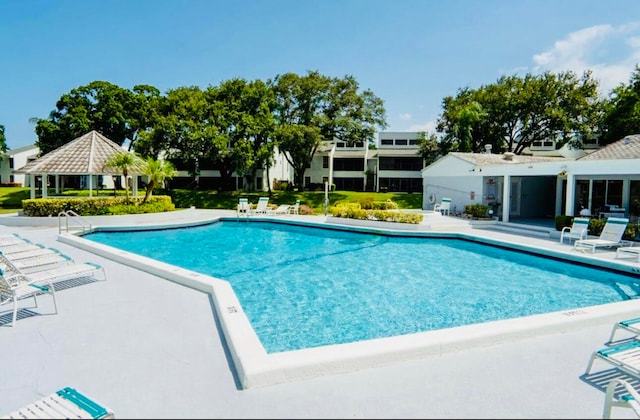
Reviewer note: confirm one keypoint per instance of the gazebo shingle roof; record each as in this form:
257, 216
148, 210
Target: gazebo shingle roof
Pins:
84, 155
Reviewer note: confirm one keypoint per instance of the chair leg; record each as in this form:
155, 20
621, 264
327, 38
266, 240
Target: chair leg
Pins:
15, 311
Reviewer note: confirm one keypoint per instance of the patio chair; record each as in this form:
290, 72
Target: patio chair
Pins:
262, 206
281, 209
66, 403
295, 209
9, 240
444, 206
624, 356
243, 207
578, 230
631, 325
15, 286
610, 237
628, 251
629, 398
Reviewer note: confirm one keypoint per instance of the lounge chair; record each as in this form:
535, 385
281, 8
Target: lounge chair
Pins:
631, 325
628, 251
281, 209
15, 286
610, 237
624, 356
66, 403
12, 240
444, 206
243, 207
578, 230
262, 206
629, 398
295, 209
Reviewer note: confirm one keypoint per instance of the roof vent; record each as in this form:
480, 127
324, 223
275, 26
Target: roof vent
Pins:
508, 155
627, 140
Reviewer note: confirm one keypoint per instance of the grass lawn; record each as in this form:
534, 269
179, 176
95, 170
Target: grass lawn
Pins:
11, 198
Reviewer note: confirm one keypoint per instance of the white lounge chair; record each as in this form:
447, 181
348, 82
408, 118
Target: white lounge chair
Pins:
624, 356
628, 398
295, 209
444, 206
628, 251
15, 286
243, 207
578, 229
66, 403
281, 209
610, 237
632, 325
262, 206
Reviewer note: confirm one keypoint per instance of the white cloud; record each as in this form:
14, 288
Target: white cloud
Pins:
610, 52
405, 117
429, 127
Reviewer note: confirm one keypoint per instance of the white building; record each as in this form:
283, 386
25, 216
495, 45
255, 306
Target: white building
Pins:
604, 181
17, 158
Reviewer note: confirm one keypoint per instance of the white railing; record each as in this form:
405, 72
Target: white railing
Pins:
80, 223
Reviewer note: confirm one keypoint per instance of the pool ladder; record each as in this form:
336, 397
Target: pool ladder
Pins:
80, 223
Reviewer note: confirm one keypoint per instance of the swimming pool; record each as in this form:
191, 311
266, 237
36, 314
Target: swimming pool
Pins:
304, 287
254, 367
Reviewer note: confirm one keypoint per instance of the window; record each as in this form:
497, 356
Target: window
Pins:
325, 161
359, 144
11, 163
388, 142
348, 164
307, 180
401, 164
340, 144
401, 142
413, 142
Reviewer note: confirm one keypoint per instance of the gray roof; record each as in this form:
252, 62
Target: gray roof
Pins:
626, 148
84, 155
499, 159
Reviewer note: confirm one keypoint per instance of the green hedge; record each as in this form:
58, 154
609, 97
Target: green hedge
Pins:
96, 206
355, 211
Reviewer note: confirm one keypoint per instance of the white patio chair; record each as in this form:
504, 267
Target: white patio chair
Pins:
444, 206
578, 229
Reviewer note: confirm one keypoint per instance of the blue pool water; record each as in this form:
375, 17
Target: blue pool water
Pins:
305, 287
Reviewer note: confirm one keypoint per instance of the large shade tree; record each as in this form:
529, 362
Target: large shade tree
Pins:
513, 112
115, 112
622, 115
315, 108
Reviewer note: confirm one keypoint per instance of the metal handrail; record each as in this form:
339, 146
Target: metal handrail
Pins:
82, 223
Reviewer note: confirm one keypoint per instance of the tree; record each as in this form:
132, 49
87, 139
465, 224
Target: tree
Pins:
315, 108
157, 172
125, 161
622, 114
100, 106
429, 147
3, 141
514, 111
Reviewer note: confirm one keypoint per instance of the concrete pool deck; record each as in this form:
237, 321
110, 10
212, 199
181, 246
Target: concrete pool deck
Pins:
147, 347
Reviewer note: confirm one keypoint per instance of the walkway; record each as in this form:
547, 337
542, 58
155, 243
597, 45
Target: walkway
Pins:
150, 348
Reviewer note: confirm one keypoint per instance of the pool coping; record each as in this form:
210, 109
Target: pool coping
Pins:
254, 367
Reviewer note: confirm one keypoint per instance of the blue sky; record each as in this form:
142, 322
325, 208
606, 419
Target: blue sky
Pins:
410, 53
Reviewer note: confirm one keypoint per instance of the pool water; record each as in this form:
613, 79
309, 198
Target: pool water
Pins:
304, 287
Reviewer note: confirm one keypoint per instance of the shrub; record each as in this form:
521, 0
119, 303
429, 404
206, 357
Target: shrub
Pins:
95, 206
355, 211
476, 210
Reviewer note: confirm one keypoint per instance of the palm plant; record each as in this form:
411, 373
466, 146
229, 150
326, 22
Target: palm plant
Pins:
157, 171
124, 161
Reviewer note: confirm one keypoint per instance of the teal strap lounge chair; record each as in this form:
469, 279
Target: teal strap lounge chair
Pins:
295, 209
243, 207
281, 209
631, 325
14, 288
444, 206
66, 403
624, 356
628, 398
611, 236
577, 231
262, 206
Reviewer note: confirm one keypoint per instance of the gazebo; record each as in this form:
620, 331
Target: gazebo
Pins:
85, 155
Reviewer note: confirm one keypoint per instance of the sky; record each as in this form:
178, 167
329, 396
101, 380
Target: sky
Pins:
409, 53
